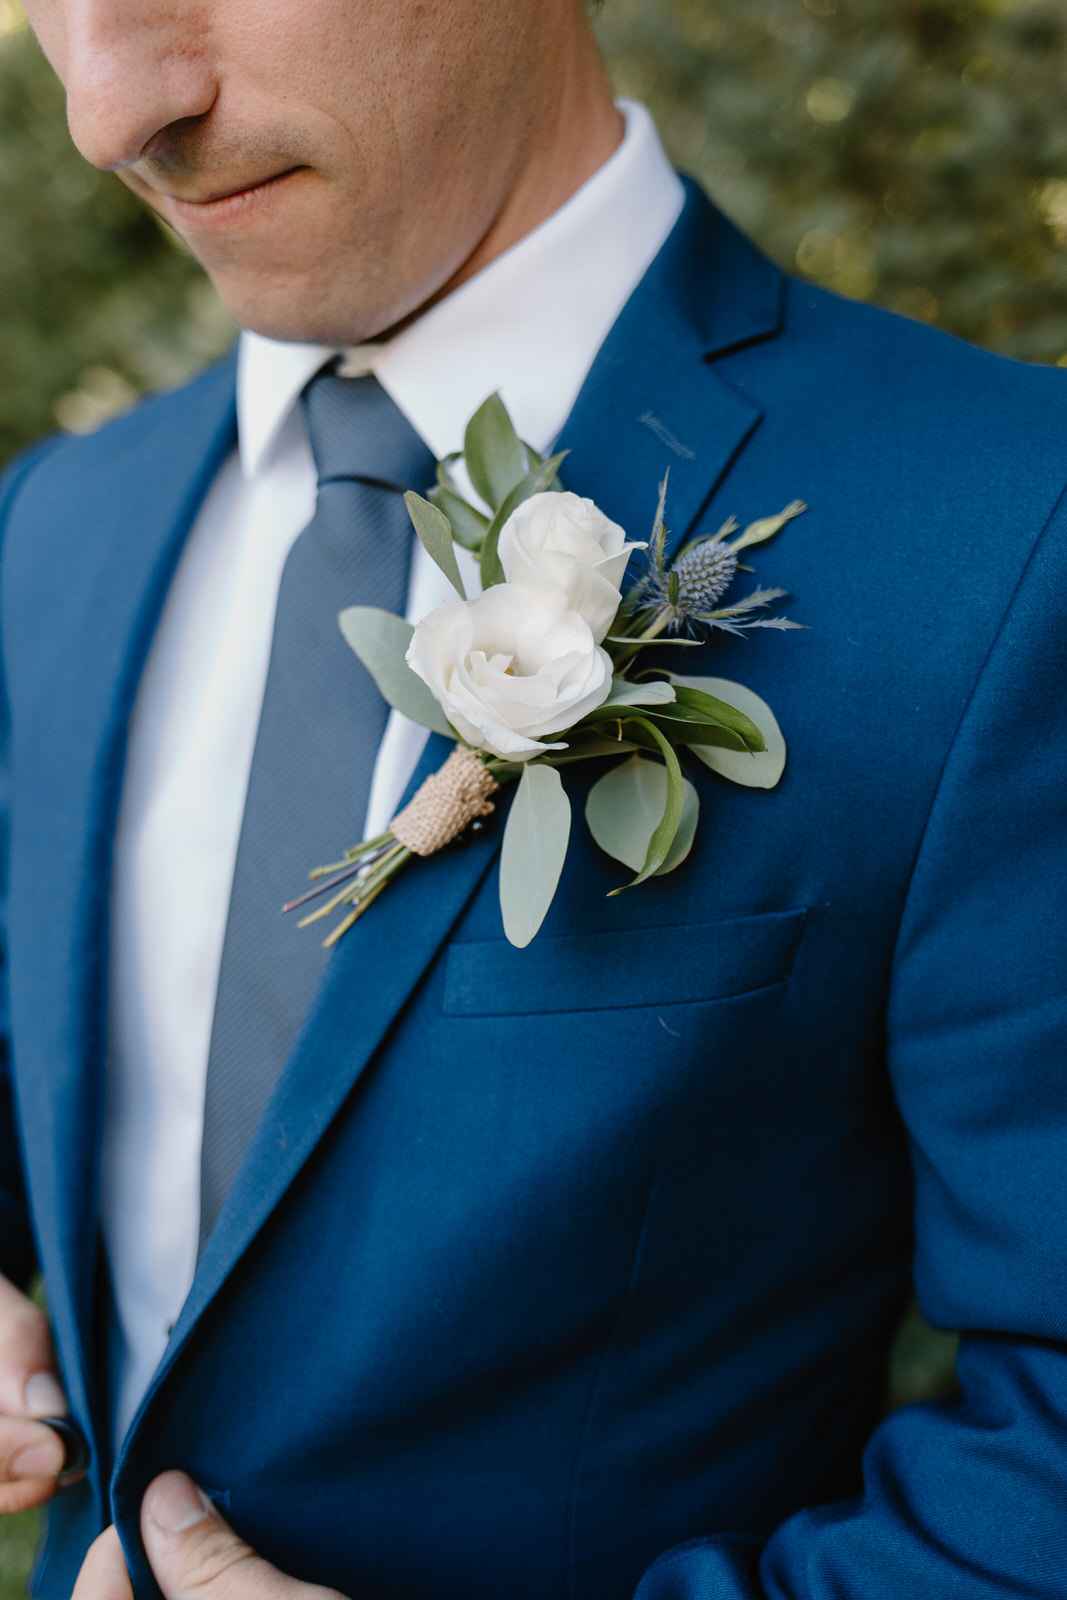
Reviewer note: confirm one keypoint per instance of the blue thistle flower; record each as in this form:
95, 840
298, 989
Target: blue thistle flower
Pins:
704, 570
684, 597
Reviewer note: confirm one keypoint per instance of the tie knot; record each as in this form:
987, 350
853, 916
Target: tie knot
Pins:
357, 431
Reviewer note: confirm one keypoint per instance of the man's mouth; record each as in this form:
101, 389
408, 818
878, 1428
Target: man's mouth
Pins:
225, 206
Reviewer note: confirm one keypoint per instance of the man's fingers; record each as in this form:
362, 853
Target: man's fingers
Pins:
25, 1493
193, 1552
31, 1457
103, 1575
29, 1386
29, 1450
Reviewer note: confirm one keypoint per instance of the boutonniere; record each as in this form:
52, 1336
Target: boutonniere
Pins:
545, 668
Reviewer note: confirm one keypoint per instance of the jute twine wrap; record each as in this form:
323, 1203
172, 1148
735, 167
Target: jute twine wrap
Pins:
442, 806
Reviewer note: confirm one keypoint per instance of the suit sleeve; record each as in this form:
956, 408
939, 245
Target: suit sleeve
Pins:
967, 1500
17, 1250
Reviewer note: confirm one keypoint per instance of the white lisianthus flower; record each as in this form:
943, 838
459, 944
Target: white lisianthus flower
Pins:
508, 671
569, 554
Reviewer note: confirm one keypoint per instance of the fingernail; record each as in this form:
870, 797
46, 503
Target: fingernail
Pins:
41, 1460
44, 1396
175, 1503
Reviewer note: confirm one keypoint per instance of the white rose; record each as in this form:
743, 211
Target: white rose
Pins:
508, 671
568, 553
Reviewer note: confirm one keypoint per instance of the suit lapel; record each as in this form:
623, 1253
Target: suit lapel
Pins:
371, 974
106, 588
651, 402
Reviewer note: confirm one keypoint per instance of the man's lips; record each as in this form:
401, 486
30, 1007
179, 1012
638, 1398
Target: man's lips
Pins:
224, 207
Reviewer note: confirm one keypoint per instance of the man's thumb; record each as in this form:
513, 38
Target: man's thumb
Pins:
194, 1552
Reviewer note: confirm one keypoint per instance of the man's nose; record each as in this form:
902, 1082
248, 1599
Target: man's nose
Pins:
131, 68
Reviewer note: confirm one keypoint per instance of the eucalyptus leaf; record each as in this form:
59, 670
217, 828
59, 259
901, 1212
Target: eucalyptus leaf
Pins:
624, 808
663, 835
380, 640
468, 525
533, 851
657, 692
435, 531
493, 452
760, 771
535, 482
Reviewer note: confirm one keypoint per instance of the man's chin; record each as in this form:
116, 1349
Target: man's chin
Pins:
307, 305
293, 310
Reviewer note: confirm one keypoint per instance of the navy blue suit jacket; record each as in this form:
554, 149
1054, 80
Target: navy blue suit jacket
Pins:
559, 1273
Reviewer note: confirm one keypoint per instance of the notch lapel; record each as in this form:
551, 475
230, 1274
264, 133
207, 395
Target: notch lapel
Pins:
650, 402
87, 565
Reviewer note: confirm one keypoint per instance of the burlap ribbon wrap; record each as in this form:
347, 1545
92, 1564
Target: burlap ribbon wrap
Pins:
445, 803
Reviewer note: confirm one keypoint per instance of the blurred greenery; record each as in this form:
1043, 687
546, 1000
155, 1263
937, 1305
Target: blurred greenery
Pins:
908, 152
99, 303
18, 1541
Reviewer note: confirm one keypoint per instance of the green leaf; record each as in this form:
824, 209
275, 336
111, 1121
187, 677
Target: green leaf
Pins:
588, 746
767, 527
535, 482
657, 692
534, 460
658, 540
689, 728
625, 806
435, 531
533, 852
760, 771
663, 834
468, 525
682, 842
380, 640
444, 468
716, 710
493, 452
675, 641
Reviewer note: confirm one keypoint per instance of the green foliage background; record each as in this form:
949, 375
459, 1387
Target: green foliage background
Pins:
907, 152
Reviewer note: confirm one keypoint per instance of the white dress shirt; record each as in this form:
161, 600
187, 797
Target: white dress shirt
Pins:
529, 326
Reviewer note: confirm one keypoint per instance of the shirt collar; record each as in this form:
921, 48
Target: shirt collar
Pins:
529, 324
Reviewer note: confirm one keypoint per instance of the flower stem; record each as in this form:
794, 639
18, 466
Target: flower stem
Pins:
357, 853
323, 888
653, 631
384, 874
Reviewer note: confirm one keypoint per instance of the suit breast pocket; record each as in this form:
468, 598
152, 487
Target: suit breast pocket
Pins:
622, 968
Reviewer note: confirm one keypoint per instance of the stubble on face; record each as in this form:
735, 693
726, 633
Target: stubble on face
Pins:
342, 165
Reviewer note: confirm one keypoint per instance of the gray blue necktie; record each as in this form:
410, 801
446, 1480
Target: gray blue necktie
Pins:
319, 729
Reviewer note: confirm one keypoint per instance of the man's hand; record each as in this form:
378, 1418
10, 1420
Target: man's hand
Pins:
31, 1456
194, 1555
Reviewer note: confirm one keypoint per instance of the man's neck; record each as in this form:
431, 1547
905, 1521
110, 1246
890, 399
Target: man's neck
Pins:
585, 129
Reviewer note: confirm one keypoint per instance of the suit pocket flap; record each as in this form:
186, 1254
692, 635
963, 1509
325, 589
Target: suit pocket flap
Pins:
630, 967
